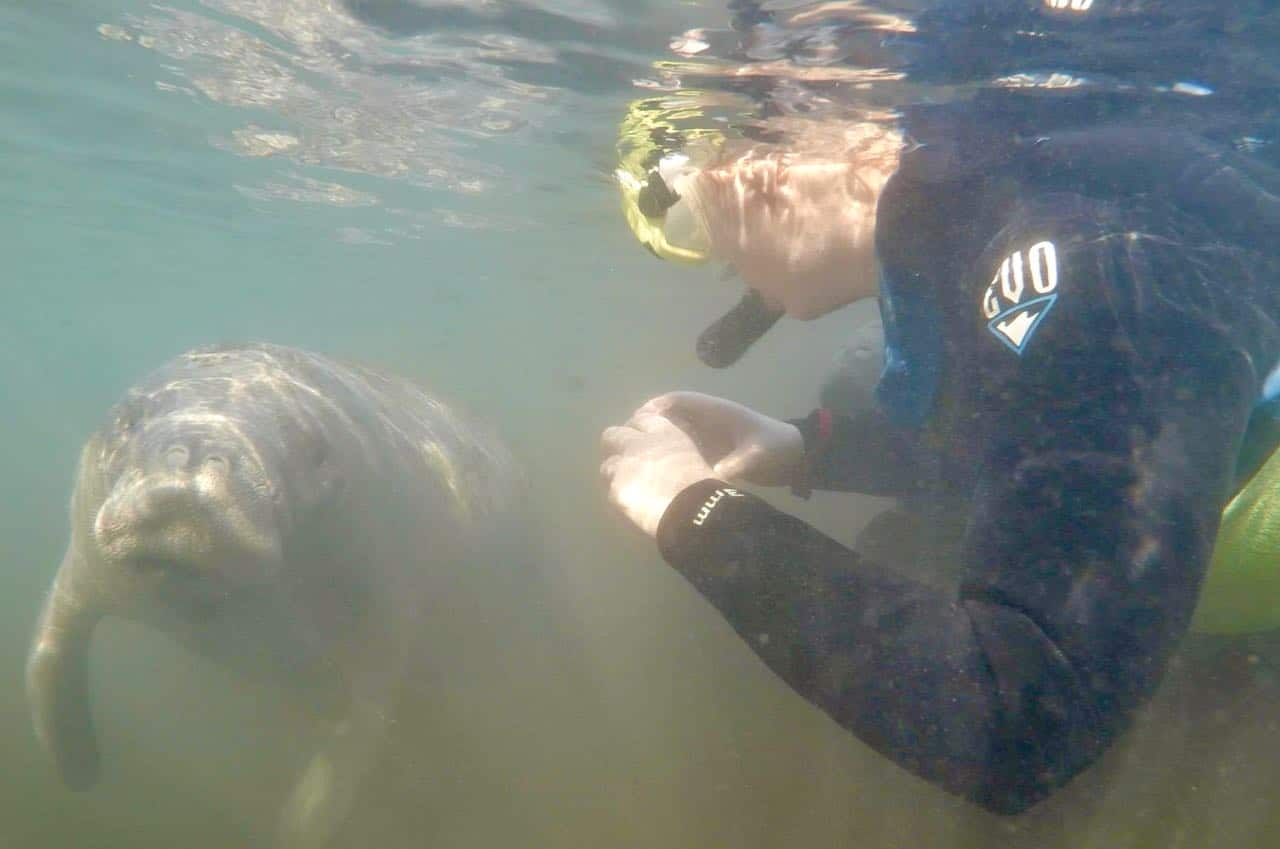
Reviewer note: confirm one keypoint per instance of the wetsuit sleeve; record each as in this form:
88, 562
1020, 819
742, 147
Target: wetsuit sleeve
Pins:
895, 662
863, 453
1094, 514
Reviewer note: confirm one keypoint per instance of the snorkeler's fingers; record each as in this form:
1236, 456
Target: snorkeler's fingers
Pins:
674, 405
649, 423
615, 440
657, 405
695, 409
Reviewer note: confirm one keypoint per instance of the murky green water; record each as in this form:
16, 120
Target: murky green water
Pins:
425, 187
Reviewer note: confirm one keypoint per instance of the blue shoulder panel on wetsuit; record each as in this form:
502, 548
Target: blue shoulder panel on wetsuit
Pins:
913, 353
1270, 387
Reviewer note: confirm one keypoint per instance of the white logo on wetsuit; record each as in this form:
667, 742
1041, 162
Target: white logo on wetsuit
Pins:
1021, 294
1069, 5
711, 502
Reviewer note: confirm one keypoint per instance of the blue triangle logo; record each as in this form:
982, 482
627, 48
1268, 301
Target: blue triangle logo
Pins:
1015, 326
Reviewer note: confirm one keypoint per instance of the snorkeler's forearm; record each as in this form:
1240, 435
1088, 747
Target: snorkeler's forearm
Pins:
863, 453
901, 665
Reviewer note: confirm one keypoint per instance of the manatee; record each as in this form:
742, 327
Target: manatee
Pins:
289, 516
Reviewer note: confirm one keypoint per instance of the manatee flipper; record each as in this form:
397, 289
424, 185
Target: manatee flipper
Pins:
324, 793
326, 790
58, 679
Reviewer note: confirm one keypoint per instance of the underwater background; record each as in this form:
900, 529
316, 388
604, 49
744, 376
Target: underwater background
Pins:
427, 187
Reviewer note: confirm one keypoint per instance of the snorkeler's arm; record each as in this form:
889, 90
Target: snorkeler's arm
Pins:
864, 452
1084, 561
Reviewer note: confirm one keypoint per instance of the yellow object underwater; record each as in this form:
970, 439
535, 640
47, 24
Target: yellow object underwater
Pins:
1241, 593
658, 135
652, 231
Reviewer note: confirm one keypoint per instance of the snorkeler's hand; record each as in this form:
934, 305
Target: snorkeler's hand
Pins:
739, 443
648, 462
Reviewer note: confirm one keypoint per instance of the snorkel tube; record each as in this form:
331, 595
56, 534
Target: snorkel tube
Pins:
655, 157
727, 338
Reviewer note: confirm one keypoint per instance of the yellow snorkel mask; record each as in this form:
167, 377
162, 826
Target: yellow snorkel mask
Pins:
660, 219
662, 142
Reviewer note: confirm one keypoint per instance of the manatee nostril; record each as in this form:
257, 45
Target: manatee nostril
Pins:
217, 463
176, 457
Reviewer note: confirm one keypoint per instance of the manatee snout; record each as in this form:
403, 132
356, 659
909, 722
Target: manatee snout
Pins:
153, 519
193, 510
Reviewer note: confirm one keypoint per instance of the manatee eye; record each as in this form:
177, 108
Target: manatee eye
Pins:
128, 413
125, 426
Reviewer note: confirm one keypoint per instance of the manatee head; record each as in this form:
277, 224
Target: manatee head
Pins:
190, 514
174, 515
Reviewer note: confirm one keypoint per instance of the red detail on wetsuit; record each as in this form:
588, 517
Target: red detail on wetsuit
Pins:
824, 425
824, 421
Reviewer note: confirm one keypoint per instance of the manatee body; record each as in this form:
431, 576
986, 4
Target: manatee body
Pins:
289, 516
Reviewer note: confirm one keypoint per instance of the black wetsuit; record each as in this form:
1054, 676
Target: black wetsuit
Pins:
1079, 323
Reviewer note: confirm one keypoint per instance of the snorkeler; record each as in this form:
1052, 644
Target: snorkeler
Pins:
1078, 324
812, 217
